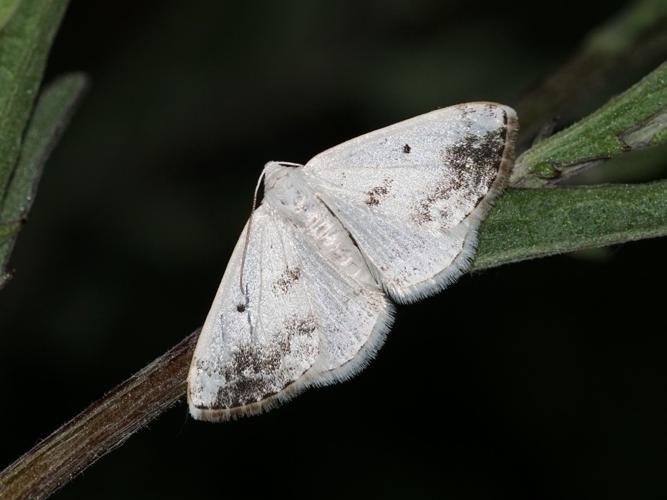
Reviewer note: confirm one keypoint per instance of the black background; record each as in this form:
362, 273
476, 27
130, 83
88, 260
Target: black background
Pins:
538, 380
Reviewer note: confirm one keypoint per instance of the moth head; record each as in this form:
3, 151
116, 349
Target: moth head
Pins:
274, 171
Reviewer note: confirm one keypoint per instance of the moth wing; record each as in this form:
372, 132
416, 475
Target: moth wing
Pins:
254, 343
412, 195
299, 323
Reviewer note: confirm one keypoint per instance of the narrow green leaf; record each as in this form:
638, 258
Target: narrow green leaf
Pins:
48, 122
7, 9
51, 115
530, 223
8, 230
635, 36
634, 120
24, 46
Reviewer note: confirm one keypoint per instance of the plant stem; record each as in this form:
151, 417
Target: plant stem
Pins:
634, 120
101, 427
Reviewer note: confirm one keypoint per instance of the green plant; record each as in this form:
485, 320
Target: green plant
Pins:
28, 130
531, 220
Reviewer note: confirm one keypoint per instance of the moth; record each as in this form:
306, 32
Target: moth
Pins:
307, 297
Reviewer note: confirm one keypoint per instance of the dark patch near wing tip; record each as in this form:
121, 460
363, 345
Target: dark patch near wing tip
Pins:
483, 152
475, 161
240, 308
407, 148
251, 372
246, 376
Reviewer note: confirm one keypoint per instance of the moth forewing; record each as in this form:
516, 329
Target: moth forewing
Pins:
413, 194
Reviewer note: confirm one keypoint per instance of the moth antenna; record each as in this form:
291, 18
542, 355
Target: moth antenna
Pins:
247, 234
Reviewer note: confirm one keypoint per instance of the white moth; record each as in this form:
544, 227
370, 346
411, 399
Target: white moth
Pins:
392, 214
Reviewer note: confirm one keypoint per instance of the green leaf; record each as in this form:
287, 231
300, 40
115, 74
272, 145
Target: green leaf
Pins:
25, 41
632, 121
7, 9
632, 39
8, 230
530, 223
51, 115
24, 46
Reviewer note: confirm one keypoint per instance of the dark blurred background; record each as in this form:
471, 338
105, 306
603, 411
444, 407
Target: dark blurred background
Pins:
543, 379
